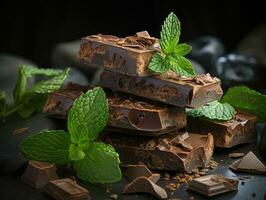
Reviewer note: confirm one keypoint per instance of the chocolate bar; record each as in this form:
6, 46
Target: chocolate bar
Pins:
38, 174
62, 189
144, 118
171, 152
130, 55
241, 129
167, 88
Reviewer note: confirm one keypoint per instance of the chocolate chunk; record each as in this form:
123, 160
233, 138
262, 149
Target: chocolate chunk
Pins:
241, 129
249, 163
162, 152
236, 155
62, 189
141, 117
213, 184
135, 171
145, 185
167, 88
38, 174
130, 55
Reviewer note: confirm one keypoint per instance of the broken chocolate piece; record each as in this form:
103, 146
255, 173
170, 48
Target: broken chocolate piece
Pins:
130, 55
162, 152
236, 155
213, 184
143, 184
38, 174
62, 189
142, 117
241, 129
135, 171
182, 92
249, 163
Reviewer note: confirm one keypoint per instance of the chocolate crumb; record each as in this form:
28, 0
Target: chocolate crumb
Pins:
113, 196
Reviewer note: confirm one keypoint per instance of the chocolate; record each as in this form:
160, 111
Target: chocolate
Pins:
62, 189
249, 163
137, 116
236, 155
163, 152
167, 88
145, 185
212, 185
38, 174
135, 171
130, 55
241, 129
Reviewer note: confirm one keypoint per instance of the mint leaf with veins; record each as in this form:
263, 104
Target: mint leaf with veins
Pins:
158, 64
214, 110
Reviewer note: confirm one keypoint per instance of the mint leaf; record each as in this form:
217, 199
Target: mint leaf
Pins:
214, 110
3, 103
158, 64
170, 33
248, 100
100, 165
180, 65
26, 110
182, 49
47, 146
88, 116
75, 153
50, 85
30, 71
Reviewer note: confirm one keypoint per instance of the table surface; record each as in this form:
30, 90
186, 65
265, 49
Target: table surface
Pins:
11, 188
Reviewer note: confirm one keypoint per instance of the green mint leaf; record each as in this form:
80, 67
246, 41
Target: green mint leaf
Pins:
157, 64
180, 65
30, 71
47, 146
100, 165
170, 33
3, 103
248, 100
50, 85
214, 110
182, 49
88, 116
75, 153
26, 110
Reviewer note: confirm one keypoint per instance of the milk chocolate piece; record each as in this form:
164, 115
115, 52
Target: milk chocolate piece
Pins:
167, 88
145, 185
241, 129
130, 55
63, 189
163, 152
38, 174
135, 171
141, 117
249, 163
213, 184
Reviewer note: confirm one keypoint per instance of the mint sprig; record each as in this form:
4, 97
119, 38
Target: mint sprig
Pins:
95, 162
248, 100
172, 56
214, 110
27, 100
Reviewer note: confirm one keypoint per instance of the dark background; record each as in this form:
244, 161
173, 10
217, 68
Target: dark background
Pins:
31, 29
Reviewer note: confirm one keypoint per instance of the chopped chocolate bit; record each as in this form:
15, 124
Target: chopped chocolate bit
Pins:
213, 184
38, 174
20, 130
135, 171
236, 155
62, 189
249, 163
171, 187
143, 184
113, 196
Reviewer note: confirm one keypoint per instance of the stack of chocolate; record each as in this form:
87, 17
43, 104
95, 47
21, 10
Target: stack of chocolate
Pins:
146, 110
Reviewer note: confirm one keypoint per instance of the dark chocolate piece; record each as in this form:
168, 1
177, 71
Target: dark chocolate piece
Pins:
141, 117
145, 185
249, 163
163, 152
167, 88
135, 171
38, 174
63, 189
241, 129
213, 184
130, 55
